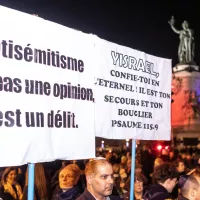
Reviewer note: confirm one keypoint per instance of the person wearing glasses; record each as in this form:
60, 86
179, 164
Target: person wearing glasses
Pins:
100, 181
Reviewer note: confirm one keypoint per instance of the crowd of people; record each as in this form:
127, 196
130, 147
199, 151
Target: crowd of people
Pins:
168, 175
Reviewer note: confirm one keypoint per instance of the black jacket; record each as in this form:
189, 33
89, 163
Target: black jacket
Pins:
156, 192
87, 196
5, 195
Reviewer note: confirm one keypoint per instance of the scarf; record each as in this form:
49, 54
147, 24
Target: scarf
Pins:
72, 193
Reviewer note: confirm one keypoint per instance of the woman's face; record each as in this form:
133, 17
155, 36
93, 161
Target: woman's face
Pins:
67, 179
181, 167
11, 178
138, 186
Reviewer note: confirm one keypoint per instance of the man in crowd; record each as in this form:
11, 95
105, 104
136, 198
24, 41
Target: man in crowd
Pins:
99, 176
189, 188
165, 178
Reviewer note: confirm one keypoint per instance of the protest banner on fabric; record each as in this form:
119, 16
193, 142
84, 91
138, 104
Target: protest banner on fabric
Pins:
132, 93
46, 95
59, 87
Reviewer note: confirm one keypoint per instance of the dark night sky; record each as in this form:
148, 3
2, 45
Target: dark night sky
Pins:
141, 25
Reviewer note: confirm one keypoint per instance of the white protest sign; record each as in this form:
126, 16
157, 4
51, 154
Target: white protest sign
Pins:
46, 91
132, 94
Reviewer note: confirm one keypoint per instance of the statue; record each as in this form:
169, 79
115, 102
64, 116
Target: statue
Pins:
186, 45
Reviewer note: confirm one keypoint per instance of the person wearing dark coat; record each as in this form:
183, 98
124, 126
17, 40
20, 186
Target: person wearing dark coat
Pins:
5, 195
100, 181
156, 192
165, 177
88, 196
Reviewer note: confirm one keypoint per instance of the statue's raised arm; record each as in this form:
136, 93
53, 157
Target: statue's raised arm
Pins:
172, 22
186, 44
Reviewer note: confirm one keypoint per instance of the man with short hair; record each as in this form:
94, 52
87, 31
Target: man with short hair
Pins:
189, 188
99, 177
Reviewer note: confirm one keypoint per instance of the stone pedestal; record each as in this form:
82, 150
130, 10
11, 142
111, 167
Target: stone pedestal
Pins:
186, 95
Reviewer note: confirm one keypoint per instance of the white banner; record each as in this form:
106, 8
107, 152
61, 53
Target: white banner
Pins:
46, 95
58, 87
132, 94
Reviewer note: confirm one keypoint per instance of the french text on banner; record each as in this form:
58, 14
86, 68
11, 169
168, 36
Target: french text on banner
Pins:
133, 94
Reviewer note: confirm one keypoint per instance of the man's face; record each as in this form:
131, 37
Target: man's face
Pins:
102, 181
67, 178
171, 184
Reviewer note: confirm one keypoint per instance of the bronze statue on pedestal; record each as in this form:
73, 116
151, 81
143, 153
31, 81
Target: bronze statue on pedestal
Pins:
186, 45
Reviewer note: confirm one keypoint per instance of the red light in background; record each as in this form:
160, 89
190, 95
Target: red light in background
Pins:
159, 147
167, 147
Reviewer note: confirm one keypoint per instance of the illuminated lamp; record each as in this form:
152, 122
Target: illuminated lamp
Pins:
159, 147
